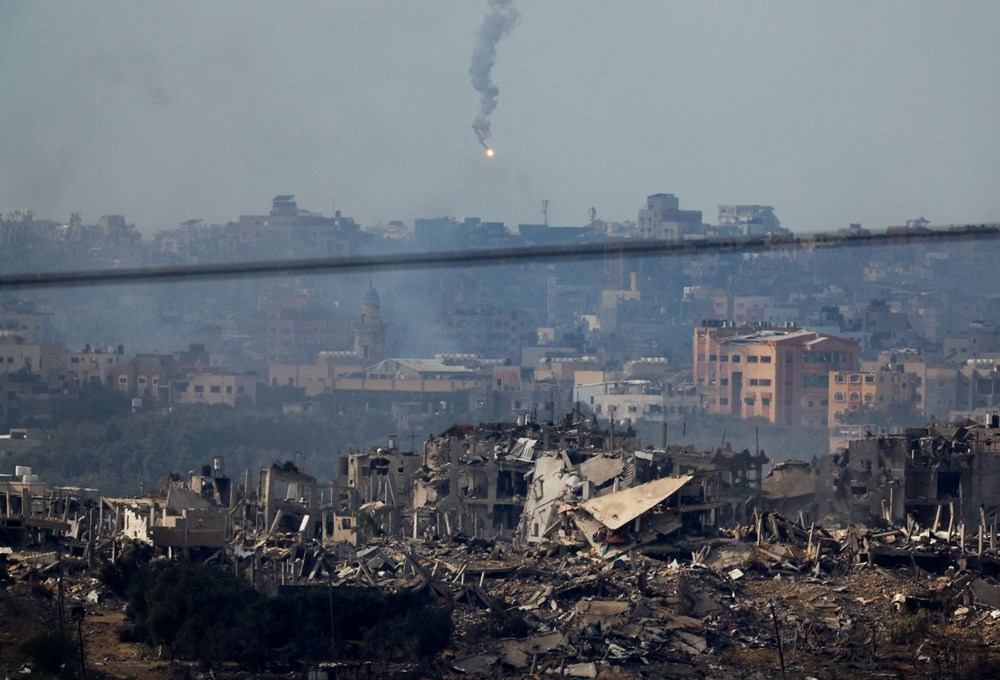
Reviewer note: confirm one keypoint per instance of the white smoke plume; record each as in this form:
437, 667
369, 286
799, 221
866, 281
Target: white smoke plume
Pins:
498, 23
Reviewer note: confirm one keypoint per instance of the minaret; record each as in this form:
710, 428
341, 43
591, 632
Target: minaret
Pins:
369, 335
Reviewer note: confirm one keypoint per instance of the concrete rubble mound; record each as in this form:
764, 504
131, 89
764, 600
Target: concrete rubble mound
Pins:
564, 549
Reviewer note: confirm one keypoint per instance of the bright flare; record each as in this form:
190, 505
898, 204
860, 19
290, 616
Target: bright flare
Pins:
489, 152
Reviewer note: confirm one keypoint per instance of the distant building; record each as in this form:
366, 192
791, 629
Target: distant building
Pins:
296, 230
632, 400
369, 333
663, 220
209, 386
874, 390
148, 376
978, 340
24, 320
781, 374
491, 331
979, 387
937, 381
16, 444
92, 365
751, 220
300, 327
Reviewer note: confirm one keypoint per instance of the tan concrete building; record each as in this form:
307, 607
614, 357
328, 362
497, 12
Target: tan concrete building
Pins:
937, 380
18, 355
214, 387
76, 369
778, 374
663, 220
875, 390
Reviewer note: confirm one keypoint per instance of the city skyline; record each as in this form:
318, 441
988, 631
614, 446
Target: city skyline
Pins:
831, 114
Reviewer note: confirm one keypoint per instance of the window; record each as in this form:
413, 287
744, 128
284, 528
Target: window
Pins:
839, 378
810, 380
723, 357
123, 380
766, 401
712, 357
869, 379
736, 358
869, 397
156, 380
751, 359
724, 381
215, 389
855, 397
839, 396
229, 389
723, 402
199, 389
141, 380
632, 408
765, 360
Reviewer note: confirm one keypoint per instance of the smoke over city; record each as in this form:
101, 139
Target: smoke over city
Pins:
498, 23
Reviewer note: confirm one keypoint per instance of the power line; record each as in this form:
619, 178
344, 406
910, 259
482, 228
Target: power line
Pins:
492, 257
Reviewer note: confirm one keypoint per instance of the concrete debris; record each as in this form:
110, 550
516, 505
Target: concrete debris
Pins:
566, 549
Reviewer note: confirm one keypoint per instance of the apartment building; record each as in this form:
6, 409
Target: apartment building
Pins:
632, 400
214, 387
937, 381
781, 374
148, 376
663, 220
874, 390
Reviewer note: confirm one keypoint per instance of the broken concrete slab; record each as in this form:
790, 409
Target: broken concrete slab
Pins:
618, 509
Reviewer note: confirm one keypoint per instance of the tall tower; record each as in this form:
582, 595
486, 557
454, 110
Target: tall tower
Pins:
369, 334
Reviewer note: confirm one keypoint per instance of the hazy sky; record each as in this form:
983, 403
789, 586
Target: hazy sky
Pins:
832, 112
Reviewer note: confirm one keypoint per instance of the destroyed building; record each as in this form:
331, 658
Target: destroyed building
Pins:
476, 480
569, 549
31, 512
181, 516
378, 482
534, 482
938, 475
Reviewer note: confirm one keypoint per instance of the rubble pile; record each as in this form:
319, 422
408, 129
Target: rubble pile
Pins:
566, 549
567, 611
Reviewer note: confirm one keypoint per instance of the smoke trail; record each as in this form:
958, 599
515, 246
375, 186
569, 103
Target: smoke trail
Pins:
500, 21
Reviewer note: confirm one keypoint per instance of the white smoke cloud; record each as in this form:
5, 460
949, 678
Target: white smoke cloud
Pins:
498, 23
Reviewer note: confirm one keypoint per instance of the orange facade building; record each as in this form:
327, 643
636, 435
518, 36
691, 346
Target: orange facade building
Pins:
781, 374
